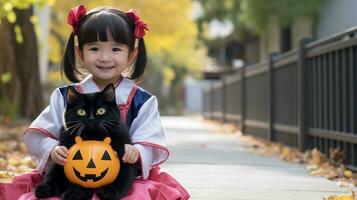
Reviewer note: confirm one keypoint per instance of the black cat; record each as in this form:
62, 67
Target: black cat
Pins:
81, 118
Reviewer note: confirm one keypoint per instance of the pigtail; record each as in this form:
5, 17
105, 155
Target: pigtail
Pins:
140, 63
68, 64
139, 28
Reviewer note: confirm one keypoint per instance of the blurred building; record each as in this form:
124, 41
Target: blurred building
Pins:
334, 17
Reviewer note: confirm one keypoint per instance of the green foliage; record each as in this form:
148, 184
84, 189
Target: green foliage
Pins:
7, 7
220, 10
5, 77
258, 13
18, 34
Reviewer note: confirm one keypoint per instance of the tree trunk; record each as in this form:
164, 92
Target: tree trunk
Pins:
10, 91
21, 59
28, 66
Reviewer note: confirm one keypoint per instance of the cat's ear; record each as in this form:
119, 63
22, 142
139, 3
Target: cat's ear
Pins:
108, 94
72, 95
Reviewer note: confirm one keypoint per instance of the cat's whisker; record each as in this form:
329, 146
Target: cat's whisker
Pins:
113, 121
100, 125
110, 123
70, 123
67, 128
71, 128
78, 126
107, 126
80, 130
103, 129
74, 127
72, 131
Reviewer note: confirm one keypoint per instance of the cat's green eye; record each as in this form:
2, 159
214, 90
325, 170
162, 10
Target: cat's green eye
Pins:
101, 111
81, 112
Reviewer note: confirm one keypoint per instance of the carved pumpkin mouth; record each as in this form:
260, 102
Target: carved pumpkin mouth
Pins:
87, 177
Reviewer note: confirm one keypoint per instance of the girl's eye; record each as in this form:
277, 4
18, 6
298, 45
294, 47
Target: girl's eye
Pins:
101, 111
94, 49
81, 112
116, 49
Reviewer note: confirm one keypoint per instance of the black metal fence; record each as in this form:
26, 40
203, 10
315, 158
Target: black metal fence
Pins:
304, 98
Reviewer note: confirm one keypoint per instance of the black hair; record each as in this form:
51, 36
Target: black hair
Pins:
104, 24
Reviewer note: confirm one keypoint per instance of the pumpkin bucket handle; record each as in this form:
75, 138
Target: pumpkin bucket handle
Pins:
107, 140
78, 139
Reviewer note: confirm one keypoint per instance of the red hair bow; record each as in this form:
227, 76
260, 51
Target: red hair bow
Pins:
74, 17
140, 26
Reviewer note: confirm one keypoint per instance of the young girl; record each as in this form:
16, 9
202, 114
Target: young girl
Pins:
111, 48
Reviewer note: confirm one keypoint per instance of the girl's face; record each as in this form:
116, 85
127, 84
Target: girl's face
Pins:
106, 60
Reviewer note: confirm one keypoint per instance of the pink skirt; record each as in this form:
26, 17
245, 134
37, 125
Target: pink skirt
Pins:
159, 186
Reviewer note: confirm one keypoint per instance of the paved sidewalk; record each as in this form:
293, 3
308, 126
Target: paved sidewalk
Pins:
220, 166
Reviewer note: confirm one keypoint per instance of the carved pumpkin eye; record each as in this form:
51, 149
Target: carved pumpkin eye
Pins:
101, 111
81, 112
106, 156
78, 156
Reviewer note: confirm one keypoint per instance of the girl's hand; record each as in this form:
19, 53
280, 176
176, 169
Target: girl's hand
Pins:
59, 155
131, 154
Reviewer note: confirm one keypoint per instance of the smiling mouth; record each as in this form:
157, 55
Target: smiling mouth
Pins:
87, 177
105, 68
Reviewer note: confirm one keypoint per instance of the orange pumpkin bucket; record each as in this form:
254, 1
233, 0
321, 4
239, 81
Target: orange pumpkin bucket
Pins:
91, 163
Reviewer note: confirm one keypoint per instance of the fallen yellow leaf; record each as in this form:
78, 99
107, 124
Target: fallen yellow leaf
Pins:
317, 157
348, 173
341, 197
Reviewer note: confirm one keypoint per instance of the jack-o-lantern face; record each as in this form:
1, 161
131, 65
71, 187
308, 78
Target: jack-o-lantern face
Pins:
92, 164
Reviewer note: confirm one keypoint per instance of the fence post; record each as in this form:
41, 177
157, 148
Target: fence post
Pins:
271, 97
242, 95
302, 61
223, 99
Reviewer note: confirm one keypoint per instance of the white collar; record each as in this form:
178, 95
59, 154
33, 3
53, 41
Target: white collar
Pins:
122, 88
